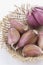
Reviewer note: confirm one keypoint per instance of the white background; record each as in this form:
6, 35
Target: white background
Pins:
5, 7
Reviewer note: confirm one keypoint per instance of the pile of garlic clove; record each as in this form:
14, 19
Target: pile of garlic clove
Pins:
21, 37
24, 36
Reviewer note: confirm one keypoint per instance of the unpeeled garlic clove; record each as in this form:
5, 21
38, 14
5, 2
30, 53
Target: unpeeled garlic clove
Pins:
29, 37
31, 51
40, 40
20, 26
13, 36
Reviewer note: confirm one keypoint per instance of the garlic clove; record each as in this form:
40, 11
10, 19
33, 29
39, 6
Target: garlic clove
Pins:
29, 37
40, 40
13, 36
31, 51
20, 26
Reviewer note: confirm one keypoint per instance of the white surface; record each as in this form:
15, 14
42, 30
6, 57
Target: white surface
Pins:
5, 7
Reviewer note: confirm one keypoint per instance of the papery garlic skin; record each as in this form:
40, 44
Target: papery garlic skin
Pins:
29, 37
35, 18
40, 40
38, 14
20, 26
13, 36
31, 51
31, 20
